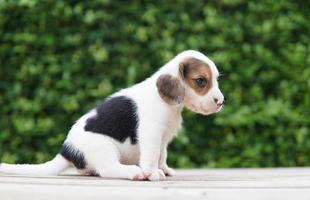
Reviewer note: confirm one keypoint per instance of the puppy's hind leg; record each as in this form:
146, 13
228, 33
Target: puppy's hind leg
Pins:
118, 170
106, 164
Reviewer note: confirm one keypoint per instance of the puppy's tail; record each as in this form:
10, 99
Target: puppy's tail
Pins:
53, 167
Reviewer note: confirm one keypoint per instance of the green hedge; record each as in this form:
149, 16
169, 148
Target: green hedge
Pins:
60, 58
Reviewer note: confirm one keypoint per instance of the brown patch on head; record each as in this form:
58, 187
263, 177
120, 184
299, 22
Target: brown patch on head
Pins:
197, 74
170, 89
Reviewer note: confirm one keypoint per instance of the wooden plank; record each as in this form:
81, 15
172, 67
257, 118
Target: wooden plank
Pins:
285, 183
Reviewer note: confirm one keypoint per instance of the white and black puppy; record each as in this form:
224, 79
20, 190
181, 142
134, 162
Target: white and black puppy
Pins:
128, 134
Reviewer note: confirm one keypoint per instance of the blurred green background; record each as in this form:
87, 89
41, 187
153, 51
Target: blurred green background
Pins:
60, 58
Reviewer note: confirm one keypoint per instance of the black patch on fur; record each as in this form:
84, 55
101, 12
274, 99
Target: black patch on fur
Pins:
117, 118
73, 155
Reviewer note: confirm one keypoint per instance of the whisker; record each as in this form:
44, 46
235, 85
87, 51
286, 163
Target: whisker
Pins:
221, 74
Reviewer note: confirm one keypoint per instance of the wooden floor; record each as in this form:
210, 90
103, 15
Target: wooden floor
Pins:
273, 184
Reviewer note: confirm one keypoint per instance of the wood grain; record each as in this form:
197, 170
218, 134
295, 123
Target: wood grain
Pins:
274, 183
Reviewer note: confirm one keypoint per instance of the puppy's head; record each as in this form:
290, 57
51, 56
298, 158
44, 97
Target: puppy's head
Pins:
195, 84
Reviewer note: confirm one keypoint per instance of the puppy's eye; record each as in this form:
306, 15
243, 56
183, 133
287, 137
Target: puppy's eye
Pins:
200, 82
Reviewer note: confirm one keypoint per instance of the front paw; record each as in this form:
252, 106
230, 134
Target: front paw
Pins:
154, 174
167, 170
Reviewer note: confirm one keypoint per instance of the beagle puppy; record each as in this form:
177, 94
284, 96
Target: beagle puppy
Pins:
127, 135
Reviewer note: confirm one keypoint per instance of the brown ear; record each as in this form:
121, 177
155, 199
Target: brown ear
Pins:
170, 89
182, 67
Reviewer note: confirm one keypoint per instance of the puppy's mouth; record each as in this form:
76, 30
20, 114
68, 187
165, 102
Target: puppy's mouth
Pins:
219, 108
208, 111
205, 111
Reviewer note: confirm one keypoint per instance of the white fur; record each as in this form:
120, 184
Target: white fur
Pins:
52, 167
158, 124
